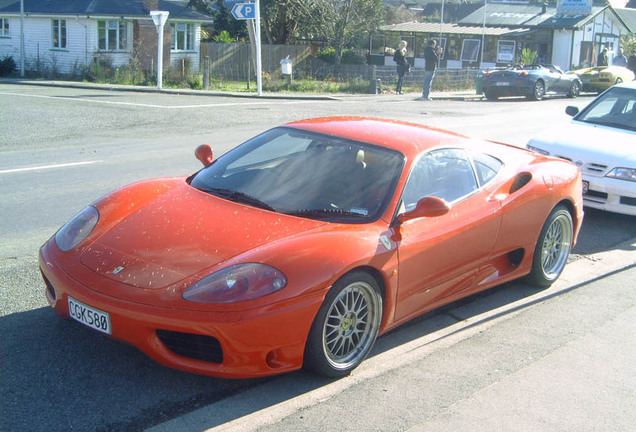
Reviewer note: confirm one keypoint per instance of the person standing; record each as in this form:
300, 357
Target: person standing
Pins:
602, 58
402, 65
620, 59
631, 63
431, 58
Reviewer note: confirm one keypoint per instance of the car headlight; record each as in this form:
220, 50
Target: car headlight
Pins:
237, 283
538, 150
77, 229
628, 174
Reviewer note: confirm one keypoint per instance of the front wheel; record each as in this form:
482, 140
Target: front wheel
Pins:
553, 248
345, 327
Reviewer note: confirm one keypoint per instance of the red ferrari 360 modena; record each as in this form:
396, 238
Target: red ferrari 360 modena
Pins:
302, 245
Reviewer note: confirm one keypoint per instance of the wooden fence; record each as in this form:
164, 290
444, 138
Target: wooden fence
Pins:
234, 62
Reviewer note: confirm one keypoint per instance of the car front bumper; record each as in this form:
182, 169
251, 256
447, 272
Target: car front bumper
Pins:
251, 343
617, 196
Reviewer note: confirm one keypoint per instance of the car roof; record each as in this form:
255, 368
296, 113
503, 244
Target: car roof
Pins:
628, 84
408, 138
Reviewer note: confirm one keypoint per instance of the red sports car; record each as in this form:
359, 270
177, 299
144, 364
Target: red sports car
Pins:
302, 245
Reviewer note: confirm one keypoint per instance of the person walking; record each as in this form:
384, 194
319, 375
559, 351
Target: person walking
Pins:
402, 65
602, 58
620, 59
431, 58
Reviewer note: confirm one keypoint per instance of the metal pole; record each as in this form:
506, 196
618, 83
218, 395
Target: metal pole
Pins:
483, 35
160, 58
441, 23
22, 38
259, 66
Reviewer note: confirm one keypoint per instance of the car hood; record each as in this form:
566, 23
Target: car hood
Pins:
595, 149
183, 232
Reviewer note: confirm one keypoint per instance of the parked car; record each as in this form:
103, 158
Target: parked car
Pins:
300, 246
597, 79
531, 81
601, 140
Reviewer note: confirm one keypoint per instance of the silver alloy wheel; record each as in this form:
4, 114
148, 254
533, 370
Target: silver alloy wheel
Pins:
539, 90
351, 325
556, 246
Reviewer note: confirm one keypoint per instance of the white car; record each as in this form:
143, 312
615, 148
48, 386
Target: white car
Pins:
601, 141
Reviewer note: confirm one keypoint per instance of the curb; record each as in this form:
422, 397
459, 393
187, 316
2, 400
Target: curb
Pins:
458, 96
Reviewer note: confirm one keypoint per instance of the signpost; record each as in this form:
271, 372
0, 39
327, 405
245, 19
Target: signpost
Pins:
159, 18
252, 11
244, 11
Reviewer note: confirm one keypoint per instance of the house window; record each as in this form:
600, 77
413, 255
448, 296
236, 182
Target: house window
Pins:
112, 35
58, 33
470, 50
4, 27
182, 37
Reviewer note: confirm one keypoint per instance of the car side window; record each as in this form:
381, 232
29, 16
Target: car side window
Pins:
445, 173
486, 167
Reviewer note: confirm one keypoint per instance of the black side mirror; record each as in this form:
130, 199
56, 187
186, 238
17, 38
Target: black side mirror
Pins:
571, 110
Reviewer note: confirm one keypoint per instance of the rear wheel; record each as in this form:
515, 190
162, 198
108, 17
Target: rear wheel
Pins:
618, 81
553, 248
491, 95
538, 91
345, 327
575, 89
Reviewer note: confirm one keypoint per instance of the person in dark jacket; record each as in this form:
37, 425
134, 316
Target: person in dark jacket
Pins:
603, 59
431, 58
631, 62
402, 65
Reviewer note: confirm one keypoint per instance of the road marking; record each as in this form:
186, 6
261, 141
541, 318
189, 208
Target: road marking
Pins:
45, 167
152, 105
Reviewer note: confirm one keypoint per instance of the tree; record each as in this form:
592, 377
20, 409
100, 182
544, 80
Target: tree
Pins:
343, 22
281, 19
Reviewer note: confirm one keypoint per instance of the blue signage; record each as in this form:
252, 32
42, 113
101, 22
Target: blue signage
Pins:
243, 11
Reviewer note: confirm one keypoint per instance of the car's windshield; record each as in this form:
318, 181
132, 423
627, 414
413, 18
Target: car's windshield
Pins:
306, 174
615, 108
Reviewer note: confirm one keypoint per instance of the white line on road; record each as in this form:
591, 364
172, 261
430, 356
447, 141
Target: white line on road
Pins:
151, 105
44, 167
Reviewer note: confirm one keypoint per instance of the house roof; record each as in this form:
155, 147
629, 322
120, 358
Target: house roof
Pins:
628, 16
130, 8
516, 14
429, 27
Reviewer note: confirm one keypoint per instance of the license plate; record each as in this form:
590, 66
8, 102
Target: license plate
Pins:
586, 187
91, 317
504, 83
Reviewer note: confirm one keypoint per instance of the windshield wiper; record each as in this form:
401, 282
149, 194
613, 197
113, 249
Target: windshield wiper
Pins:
240, 197
326, 213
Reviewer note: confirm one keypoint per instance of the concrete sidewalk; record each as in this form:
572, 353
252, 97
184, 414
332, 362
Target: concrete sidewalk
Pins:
458, 95
559, 359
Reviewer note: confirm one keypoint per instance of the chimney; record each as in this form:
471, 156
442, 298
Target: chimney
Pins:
544, 7
151, 5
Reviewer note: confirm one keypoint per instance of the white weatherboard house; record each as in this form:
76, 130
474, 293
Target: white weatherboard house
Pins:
65, 35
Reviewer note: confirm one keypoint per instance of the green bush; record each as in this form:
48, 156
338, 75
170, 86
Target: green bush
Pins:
7, 65
328, 55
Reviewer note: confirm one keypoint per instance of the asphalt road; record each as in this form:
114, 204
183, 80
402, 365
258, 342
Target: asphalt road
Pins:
61, 148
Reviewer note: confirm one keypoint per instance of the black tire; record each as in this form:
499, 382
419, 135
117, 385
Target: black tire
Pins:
575, 89
345, 327
491, 95
618, 81
553, 248
538, 91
